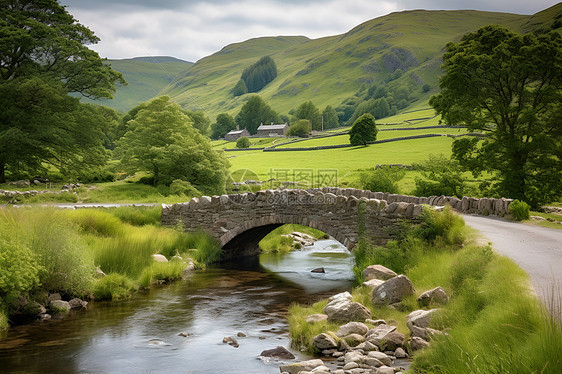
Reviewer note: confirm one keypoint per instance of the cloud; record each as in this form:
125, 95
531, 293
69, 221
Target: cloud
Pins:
196, 28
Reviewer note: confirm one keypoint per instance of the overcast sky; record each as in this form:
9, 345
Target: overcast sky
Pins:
193, 29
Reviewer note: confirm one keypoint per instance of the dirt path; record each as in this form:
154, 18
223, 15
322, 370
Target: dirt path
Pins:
537, 250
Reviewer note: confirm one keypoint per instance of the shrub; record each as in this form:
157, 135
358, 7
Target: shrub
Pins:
113, 287
243, 142
180, 187
300, 128
383, 179
363, 131
19, 268
441, 176
519, 210
445, 226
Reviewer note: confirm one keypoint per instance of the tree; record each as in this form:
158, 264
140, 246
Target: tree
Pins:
330, 118
257, 76
43, 57
243, 142
200, 121
223, 125
507, 86
162, 141
240, 88
363, 131
300, 128
254, 112
310, 112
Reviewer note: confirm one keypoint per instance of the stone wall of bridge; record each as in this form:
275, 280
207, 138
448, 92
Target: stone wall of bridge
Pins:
240, 221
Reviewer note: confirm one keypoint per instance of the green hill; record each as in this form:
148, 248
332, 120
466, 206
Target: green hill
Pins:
146, 77
398, 50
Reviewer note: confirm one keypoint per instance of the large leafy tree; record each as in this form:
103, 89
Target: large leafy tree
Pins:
507, 86
310, 112
363, 131
161, 140
44, 57
223, 125
330, 118
254, 112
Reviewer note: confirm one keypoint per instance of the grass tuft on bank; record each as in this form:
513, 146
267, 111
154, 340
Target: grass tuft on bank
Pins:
493, 321
59, 251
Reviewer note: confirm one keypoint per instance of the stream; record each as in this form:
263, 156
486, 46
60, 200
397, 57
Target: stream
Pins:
141, 334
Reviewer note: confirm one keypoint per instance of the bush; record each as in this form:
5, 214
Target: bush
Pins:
442, 176
19, 268
180, 187
243, 142
363, 130
442, 227
383, 179
113, 287
300, 128
519, 210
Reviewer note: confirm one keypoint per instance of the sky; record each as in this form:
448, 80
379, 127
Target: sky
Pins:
193, 29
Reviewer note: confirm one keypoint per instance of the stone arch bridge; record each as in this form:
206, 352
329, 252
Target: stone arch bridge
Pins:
240, 221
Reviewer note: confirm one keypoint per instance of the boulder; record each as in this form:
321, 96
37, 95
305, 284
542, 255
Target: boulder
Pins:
324, 341
345, 311
353, 340
353, 356
373, 283
343, 295
59, 306
418, 322
159, 258
77, 303
417, 343
315, 318
385, 370
436, 295
400, 353
393, 290
375, 335
382, 357
33, 308
391, 341
230, 341
279, 352
378, 272
301, 366
318, 270
54, 296
367, 347
352, 328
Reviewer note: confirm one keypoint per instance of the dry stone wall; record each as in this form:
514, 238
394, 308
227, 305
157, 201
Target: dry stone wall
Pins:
227, 217
468, 205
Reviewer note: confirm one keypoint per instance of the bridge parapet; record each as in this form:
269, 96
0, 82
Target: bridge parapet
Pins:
240, 221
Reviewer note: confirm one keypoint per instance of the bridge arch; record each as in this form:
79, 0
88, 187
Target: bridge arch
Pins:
240, 221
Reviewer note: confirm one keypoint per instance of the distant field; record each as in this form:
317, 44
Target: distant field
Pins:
345, 160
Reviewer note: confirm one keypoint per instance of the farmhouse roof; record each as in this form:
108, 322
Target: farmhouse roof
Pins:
236, 132
272, 127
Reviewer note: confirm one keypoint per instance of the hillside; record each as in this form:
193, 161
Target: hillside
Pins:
331, 69
146, 77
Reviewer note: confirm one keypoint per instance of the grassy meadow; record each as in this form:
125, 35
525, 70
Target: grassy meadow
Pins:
493, 322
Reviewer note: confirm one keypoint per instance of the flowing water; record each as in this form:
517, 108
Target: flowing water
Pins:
140, 335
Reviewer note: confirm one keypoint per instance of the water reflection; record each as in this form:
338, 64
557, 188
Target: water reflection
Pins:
140, 335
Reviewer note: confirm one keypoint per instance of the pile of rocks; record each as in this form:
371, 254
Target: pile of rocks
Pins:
301, 239
46, 306
365, 345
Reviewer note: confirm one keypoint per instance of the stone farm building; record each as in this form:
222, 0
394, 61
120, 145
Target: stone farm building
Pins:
236, 134
265, 131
